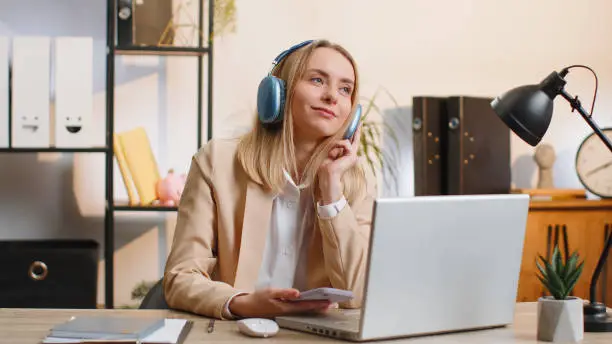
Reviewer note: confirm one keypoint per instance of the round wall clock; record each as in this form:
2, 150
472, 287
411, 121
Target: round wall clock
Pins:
594, 165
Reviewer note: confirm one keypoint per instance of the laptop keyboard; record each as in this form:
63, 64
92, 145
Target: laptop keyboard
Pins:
345, 320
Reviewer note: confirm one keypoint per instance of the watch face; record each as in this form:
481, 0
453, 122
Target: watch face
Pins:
594, 165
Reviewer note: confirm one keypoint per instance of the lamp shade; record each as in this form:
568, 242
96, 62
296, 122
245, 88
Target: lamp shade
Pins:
526, 110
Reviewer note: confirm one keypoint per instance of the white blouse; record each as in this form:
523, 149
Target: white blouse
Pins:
291, 224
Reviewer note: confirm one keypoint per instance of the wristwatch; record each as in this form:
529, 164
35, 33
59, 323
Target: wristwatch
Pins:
331, 210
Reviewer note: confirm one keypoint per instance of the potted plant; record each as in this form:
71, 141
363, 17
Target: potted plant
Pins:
370, 144
560, 315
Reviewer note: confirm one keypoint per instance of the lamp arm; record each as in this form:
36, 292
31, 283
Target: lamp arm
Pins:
599, 268
575, 103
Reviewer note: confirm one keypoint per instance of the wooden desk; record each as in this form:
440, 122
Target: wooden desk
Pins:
585, 222
32, 325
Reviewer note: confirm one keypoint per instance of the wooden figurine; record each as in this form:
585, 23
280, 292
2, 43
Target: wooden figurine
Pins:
544, 157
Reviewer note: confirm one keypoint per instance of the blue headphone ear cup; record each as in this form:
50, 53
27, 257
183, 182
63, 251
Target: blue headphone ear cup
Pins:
271, 92
271, 99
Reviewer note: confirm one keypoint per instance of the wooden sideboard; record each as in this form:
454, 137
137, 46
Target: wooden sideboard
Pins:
585, 223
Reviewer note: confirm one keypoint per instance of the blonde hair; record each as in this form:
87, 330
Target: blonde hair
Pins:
266, 150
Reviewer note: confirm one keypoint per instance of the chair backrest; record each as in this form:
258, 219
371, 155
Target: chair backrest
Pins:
155, 298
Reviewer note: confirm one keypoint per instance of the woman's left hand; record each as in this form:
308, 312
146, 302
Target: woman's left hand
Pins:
341, 157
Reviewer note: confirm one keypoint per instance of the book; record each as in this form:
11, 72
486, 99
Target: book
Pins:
125, 171
121, 330
137, 164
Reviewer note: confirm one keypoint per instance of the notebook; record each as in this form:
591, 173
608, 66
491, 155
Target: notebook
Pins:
134, 154
120, 329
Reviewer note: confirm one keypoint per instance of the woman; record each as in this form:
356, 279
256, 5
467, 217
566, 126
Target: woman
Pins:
283, 209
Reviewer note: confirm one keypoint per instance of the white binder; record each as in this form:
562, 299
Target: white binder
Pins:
73, 91
30, 92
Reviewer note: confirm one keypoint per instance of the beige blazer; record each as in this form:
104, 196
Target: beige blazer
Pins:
221, 231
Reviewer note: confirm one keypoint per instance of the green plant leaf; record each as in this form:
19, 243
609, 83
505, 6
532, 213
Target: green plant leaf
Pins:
369, 106
570, 266
556, 261
559, 275
376, 131
547, 285
371, 134
554, 280
574, 277
371, 165
544, 261
379, 156
369, 137
541, 268
366, 153
363, 144
224, 17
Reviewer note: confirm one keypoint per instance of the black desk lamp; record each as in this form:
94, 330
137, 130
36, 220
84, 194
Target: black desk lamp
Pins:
527, 111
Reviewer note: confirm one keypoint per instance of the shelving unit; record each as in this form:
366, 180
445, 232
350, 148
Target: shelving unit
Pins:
112, 51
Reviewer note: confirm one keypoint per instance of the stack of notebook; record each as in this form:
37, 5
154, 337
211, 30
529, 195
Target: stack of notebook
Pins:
83, 329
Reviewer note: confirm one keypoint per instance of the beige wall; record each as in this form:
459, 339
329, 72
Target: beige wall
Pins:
409, 47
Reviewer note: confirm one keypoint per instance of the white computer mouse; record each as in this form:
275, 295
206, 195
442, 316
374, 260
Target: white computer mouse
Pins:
258, 327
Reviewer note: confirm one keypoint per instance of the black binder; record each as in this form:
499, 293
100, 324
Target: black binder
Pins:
460, 147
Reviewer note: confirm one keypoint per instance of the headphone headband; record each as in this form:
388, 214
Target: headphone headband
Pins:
282, 55
271, 91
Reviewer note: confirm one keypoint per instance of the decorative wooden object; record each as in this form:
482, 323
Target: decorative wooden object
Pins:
544, 157
581, 224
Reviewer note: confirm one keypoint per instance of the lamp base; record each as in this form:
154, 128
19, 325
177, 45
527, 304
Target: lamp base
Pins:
596, 319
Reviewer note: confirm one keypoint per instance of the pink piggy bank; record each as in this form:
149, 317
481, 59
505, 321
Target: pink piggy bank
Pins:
170, 188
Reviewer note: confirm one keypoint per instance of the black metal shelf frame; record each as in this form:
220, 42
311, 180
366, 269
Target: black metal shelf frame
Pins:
162, 50
111, 51
54, 150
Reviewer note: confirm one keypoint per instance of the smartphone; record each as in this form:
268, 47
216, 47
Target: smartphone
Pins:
352, 128
331, 294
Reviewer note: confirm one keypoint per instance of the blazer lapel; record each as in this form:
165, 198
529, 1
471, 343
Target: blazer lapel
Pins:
255, 228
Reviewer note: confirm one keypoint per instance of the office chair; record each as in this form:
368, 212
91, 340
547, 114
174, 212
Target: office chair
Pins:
155, 298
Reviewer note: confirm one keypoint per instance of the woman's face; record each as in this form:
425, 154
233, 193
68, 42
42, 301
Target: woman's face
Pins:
322, 97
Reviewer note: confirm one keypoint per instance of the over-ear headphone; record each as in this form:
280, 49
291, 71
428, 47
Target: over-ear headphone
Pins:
271, 91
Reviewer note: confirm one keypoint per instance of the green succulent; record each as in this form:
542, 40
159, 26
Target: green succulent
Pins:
559, 276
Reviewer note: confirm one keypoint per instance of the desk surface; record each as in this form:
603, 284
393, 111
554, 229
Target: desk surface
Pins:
32, 325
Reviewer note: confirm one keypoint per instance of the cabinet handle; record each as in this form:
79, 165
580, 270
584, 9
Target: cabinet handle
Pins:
38, 271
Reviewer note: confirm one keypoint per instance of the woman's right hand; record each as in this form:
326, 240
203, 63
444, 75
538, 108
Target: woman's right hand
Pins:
267, 303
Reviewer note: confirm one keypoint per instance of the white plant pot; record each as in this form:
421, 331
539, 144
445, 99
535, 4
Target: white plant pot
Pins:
560, 320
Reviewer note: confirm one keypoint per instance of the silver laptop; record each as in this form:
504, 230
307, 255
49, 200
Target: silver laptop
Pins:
436, 264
